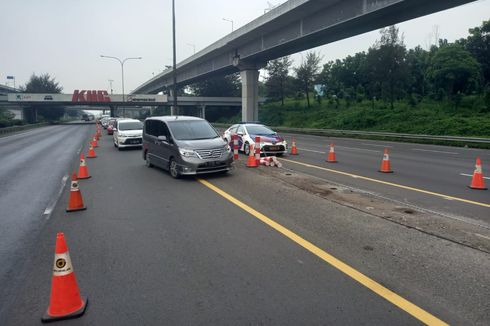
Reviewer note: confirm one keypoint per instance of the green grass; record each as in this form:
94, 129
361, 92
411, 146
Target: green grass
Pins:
471, 118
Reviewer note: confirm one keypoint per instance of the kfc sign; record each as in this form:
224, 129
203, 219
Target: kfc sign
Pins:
90, 96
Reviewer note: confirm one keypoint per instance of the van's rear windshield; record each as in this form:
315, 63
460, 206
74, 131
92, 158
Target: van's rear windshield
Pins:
192, 130
131, 125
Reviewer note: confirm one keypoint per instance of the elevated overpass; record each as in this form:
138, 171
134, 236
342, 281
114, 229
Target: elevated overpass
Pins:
101, 100
294, 26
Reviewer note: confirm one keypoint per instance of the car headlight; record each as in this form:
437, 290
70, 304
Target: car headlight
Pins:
187, 152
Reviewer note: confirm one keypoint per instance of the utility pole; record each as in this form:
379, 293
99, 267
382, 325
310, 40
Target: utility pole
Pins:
175, 109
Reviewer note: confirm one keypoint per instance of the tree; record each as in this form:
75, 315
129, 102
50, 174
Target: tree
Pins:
387, 66
307, 73
44, 84
345, 77
453, 69
218, 86
277, 81
478, 44
417, 63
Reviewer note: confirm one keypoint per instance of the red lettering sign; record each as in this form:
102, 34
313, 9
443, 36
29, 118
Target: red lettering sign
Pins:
90, 96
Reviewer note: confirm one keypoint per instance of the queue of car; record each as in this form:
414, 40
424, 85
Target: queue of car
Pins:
186, 145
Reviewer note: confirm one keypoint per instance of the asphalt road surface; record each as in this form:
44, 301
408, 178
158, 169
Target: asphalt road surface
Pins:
239, 249
437, 175
32, 167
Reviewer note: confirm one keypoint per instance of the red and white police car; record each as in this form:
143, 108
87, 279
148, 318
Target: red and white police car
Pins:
270, 142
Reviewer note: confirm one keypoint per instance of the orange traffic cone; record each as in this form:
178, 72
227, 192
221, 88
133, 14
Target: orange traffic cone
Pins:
331, 155
94, 141
91, 152
65, 300
252, 162
477, 182
385, 164
75, 201
83, 170
294, 150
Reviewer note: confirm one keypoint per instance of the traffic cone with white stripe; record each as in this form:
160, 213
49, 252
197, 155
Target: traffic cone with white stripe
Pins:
294, 150
331, 155
75, 201
252, 162
65, 299
91, 152
94, 142
83, 169
385, 164
477, 182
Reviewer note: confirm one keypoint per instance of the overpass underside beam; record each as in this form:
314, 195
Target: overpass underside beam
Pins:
250, 94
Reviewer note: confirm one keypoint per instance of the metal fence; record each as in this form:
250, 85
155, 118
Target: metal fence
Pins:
9, 130
391, 135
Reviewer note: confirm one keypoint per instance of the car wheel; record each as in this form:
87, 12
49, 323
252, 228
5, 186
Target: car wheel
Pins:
147, 160
174, 172
246, 149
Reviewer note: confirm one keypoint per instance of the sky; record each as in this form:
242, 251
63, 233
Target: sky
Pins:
65, 38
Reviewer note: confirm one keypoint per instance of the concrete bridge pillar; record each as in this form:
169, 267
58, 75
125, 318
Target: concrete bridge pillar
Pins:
250, 94
203, 111
249, 73
29, 114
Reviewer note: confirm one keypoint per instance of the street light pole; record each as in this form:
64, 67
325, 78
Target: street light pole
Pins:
12, 77
174, 110
122, 69
231, 21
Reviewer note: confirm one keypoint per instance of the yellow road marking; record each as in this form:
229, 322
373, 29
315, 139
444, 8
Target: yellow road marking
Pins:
390, 183
374, 286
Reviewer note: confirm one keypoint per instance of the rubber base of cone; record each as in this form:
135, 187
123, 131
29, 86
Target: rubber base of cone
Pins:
48, 319
84, 177
477, 188
76, 209
385, 171
92, 156
332, 161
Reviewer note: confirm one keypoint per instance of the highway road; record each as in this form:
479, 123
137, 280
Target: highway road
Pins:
245, 248
437, 175
33, 165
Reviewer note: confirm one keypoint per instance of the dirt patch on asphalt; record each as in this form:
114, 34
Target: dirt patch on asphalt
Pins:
451, 229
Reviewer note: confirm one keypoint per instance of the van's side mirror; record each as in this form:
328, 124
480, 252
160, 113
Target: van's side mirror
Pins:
162, 138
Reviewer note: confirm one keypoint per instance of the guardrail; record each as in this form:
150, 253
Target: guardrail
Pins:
334, 132
8, 130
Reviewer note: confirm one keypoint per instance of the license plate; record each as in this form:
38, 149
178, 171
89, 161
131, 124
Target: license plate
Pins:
274, 148
134, 141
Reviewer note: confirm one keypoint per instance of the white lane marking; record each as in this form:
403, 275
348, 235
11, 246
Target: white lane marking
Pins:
310, 150
359, 149
482, 236
338, 146
428, 150
52, 204
469, 175
389, 146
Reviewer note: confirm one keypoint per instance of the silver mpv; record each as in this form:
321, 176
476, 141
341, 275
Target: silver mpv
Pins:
185, 146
